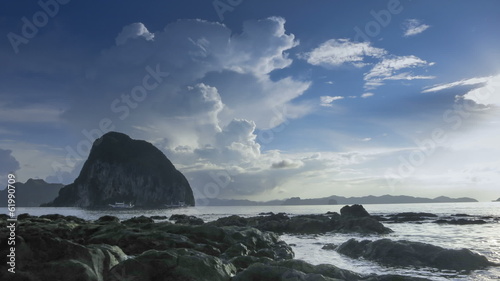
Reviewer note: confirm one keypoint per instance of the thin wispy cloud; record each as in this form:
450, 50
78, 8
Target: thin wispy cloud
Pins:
387, 69
328, 100
412, 27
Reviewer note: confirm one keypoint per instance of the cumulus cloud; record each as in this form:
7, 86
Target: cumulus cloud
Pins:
287, 164
328, 100
133, 31
367, 95
208, 91
388, 67
413, 27
336, 52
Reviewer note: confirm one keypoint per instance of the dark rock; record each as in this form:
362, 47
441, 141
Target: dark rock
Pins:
120, 169
412, 214
266, 214
242, 262
295, 270
159, 217
173, 264
233, 220
460, 221
185, 219
138, 220
354, 211
395, 278
108, 219
310, 224
461, 215
55, 217
329, 246
326, 270
263, 272
24, 216
405, 253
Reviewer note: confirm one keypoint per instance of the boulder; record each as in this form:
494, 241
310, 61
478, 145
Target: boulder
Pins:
185, 219
355, 210
354, 219
263, 272
173, 264
404, 253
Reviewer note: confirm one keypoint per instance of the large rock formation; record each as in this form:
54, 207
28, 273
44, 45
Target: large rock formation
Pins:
120, 169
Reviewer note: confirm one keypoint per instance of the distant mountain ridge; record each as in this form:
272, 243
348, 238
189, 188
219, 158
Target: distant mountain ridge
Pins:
32, 193
334, 200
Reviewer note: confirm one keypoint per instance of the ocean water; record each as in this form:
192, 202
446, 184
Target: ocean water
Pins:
483, 239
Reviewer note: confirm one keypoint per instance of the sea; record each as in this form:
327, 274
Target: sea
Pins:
483, 239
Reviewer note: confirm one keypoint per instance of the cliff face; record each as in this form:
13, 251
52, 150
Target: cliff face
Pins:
120, 169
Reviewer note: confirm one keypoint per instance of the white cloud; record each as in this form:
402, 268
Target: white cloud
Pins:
413, 27
367, 95
464, 82
327, 100
287, 164
33, 113
336, 52
133, 31
489, 94
386, 70
206, 114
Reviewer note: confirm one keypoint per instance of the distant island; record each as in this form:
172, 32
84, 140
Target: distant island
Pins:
120, 170
32, 193
498, 200
340, 200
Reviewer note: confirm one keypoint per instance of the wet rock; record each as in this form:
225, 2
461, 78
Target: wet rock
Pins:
159, 217
405, 253
460, 221
185, 219
395, 278
139, 220
355, 210
354, 219
264, 272
108, 219
233, 220
329, 246
173, 264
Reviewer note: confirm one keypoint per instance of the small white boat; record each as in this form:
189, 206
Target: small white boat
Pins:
121, 205
181, 204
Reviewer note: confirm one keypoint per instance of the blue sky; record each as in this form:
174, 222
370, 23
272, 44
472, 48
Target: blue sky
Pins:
260, 99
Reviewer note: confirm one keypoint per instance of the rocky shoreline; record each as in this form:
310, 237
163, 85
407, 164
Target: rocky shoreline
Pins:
57, 247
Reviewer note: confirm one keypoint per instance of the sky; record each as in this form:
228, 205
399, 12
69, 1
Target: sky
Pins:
259, 99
